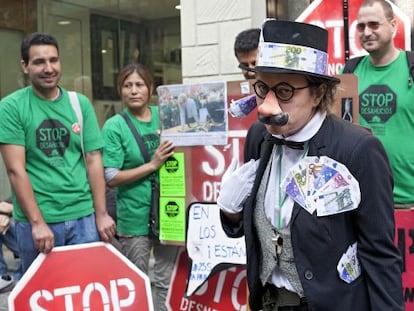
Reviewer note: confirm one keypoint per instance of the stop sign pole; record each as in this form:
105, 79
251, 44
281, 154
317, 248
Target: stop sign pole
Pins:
346, 28
93, 276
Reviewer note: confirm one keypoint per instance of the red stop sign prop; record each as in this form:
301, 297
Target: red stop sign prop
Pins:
224, 291
328, 14
92, 276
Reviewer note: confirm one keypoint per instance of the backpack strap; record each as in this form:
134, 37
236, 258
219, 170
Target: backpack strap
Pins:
76, 107
410, 62
351, 64
74, 100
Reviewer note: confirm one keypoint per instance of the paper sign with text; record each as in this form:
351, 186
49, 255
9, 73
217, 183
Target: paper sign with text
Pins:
172, 199
172, 176
208, 246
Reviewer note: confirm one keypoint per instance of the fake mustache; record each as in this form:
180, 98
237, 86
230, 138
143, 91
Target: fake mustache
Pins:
279, 119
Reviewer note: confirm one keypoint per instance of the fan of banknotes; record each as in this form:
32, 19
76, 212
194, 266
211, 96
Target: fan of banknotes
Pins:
322, 184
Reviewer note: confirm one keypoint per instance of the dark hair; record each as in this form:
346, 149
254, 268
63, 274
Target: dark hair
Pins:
246, 41
325, 89
36, 38
141, 70
388, 12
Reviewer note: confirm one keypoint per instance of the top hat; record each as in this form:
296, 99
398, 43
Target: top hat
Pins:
292, 47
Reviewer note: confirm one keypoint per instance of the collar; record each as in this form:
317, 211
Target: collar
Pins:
309, 130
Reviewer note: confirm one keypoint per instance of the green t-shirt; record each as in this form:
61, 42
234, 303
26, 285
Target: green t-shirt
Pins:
121, 151
386, 105
54, 160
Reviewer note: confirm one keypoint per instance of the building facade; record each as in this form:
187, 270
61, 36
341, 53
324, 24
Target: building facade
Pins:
181, 41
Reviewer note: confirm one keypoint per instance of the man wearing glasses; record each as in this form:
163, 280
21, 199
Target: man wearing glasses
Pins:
317, 237
386, 94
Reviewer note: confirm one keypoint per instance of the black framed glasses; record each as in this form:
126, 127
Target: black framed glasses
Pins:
371, 25
283, 90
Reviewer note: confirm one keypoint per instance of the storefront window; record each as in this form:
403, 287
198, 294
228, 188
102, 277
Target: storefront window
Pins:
285, 9
96, 39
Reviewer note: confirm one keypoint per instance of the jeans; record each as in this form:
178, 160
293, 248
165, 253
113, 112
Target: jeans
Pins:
138, 250
78, 231
9, 239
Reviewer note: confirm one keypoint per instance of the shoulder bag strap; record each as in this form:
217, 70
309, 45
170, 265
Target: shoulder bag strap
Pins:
138, 137
140, 142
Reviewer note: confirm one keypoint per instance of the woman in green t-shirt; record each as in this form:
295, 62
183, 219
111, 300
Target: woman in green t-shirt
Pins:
127, 171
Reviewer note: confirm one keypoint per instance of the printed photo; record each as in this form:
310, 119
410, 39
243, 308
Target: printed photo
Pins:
193, 114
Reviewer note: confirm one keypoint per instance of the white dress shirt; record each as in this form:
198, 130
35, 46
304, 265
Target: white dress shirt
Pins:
278, 205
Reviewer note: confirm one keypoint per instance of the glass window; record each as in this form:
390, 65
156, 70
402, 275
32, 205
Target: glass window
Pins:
96, 39
285, 9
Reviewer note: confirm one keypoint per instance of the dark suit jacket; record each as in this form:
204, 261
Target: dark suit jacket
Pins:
319, 242
254, 139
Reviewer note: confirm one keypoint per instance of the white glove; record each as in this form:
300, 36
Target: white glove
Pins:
236, 185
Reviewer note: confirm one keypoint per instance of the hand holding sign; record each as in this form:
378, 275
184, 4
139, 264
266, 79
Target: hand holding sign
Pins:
208, 246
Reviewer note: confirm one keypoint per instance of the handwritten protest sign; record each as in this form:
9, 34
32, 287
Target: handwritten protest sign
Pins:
208, 246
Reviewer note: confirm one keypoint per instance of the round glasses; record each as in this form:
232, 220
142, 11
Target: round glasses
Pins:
283, 90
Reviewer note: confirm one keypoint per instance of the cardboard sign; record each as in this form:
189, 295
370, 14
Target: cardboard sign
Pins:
346, 98
208, 246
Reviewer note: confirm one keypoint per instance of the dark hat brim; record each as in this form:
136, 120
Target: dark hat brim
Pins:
287, 71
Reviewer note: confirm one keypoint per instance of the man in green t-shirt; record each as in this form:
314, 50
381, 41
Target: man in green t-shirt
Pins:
386, 94
55, 201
